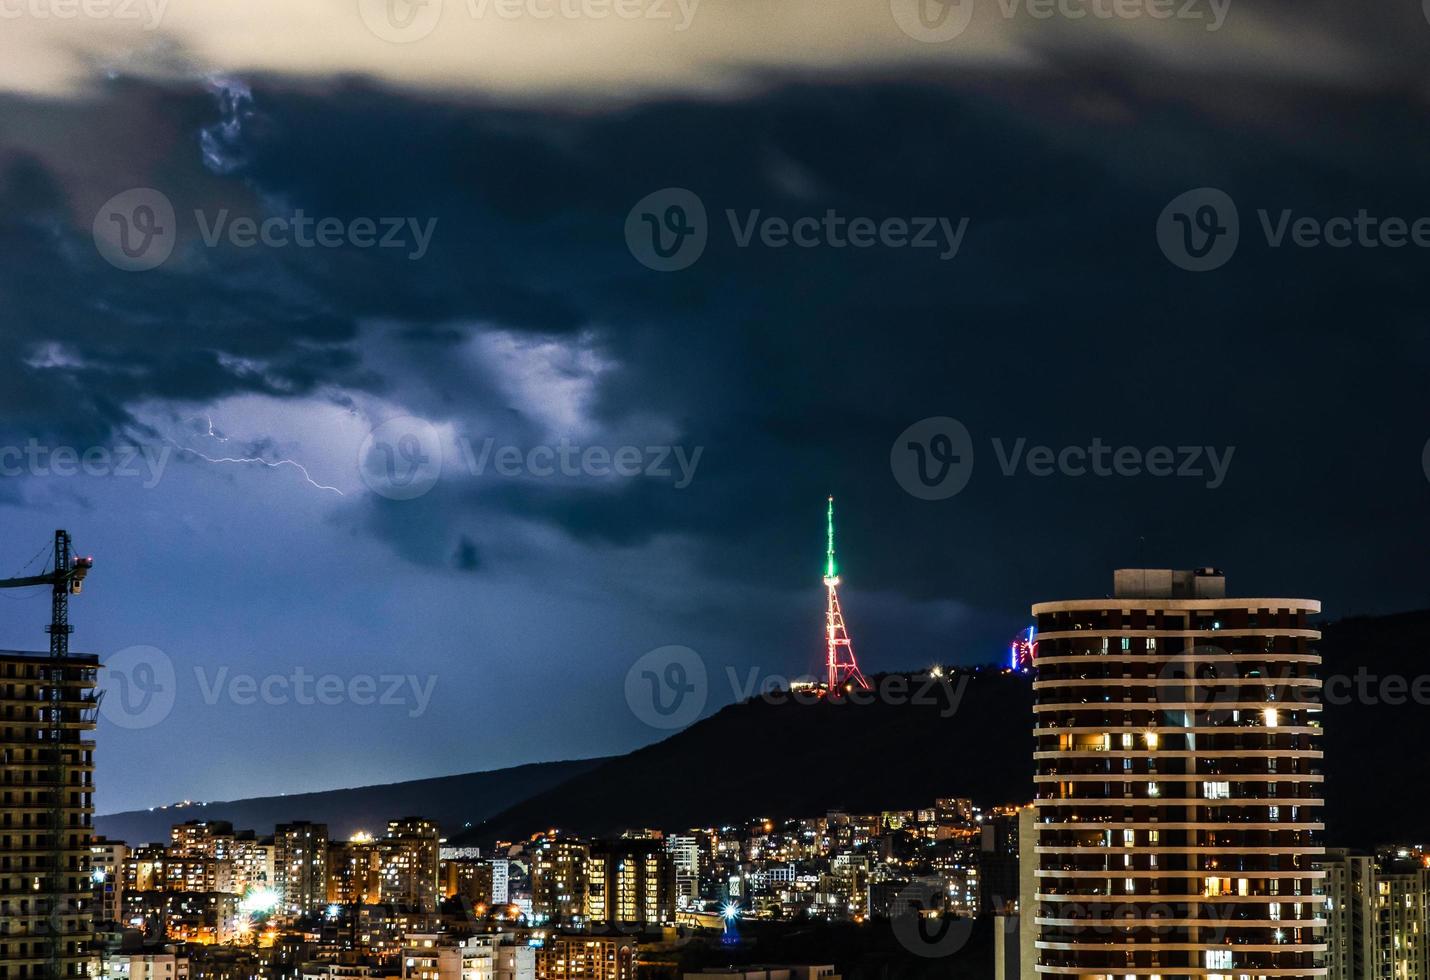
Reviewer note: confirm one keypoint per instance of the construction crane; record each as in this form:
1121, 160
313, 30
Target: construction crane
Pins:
65, 578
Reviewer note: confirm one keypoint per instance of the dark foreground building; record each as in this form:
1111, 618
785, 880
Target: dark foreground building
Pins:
47, 710
1178, 783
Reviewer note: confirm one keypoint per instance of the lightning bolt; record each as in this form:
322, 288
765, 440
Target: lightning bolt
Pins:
272, 464
211, 433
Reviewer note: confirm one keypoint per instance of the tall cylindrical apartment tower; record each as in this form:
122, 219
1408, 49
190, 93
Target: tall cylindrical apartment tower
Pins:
1178, 783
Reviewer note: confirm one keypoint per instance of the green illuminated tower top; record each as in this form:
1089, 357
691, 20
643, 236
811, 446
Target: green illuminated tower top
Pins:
830, 573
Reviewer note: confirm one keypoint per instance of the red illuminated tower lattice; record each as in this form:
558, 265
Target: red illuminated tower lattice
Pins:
840, 662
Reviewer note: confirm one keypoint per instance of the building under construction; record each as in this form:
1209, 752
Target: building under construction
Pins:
47, 720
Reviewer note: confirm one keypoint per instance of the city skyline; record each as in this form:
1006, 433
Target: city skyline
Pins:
524, 320
714, 490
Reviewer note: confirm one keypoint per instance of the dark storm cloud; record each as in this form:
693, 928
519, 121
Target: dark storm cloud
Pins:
794, 369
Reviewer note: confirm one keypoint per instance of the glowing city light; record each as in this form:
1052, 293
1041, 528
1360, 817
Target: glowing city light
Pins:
258, 901
1023, 649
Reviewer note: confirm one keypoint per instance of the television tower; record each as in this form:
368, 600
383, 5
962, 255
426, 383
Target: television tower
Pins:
839, 660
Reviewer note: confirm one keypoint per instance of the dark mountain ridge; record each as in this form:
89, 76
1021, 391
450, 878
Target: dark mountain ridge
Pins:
790, 759
451, 801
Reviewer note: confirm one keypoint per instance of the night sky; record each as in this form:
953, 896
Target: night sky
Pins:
527, 319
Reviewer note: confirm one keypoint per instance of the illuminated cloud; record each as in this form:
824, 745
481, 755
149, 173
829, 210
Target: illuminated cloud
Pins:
584, 50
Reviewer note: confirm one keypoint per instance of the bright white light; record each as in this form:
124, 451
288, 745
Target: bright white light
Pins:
730, 912
259, 900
